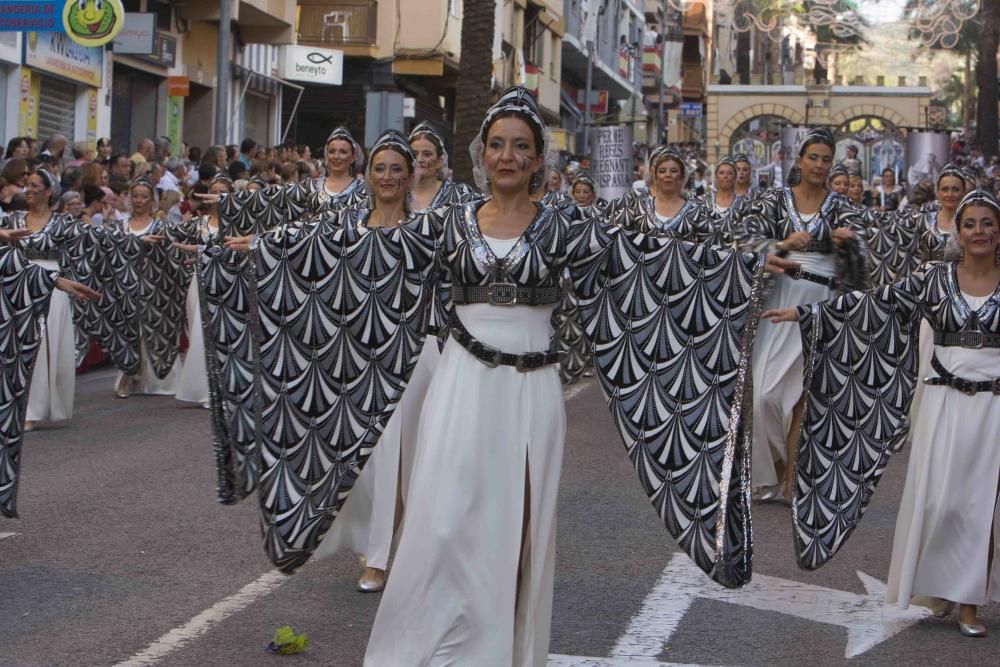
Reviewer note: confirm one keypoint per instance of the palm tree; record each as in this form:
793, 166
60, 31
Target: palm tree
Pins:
474, 92
987, 132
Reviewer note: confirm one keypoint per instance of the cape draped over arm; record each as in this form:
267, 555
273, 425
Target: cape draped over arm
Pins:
25, 290
860, 376
671, 326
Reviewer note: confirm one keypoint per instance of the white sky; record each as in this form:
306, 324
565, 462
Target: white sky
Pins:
878, 11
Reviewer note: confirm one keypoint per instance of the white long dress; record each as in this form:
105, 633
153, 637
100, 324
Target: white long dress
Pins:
192, 382
949, 505
53, 381
145, 381
460, 592
367, 524
777, 369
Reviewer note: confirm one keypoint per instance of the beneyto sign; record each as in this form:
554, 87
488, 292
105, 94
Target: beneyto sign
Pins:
311, 65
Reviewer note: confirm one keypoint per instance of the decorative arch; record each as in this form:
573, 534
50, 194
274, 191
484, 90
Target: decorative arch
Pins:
793, 116
861, 110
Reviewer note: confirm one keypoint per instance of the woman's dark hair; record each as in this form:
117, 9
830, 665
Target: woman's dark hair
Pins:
14, 144
194, 154
888, 170
207, 171
91, 194
15, 169
237, 170
536, 132
427, 136
72, 177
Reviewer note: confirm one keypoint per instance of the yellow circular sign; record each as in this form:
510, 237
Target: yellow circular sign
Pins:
93, 22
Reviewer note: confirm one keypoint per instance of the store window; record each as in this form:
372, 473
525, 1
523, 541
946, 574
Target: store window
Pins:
56, 108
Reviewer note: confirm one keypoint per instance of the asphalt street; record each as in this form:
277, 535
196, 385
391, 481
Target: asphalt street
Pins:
122, 555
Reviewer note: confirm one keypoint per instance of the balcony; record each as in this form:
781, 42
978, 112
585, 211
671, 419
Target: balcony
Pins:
693, 86
652, 65
339, 24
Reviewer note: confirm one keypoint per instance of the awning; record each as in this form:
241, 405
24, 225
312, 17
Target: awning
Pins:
268, 85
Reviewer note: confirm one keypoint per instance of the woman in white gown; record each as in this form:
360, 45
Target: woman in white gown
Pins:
369, 520
946, 544
53, 381
815, 228
192, 383
472, 580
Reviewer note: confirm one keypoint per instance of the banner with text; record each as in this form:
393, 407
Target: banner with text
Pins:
611, 160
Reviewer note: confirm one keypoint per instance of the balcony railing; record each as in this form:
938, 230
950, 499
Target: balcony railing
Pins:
652, 60
339, 23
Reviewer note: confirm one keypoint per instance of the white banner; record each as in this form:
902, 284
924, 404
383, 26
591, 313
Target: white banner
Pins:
611, 160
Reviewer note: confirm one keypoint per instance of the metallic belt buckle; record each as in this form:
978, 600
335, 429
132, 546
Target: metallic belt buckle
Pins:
795, 274
995, 388
971, 339
502, 294
530, 361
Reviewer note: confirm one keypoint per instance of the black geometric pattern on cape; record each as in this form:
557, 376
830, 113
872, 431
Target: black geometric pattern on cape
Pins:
24, 306
727, 220
68, 240
308, 198
773, 216
637, 212
671, 325
905, 240
861, 375
143, 292
339, 316
224, 280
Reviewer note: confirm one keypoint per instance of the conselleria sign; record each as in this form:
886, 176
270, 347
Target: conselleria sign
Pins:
312, 65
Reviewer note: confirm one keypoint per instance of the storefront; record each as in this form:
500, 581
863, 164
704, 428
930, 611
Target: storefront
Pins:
10, 61
139, 107
59, 88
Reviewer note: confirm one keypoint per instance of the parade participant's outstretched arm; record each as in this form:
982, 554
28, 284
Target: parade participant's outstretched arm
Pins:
860, 375
338, 316
671, 325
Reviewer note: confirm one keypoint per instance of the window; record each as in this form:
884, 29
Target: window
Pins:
534, 36
163, 11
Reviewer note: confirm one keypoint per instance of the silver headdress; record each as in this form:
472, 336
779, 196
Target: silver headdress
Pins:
726, 160
741, 157
427, 131
838, 170
222, 177
517, 100
979, 197
663, 152
818, 135
394, 139
585, 178
343, 134
952, 169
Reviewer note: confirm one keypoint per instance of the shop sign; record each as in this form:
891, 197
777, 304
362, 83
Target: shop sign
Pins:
24, 15
138, 37
164, 51
178, 86
93, 22
56, 53
691, 110
312, 65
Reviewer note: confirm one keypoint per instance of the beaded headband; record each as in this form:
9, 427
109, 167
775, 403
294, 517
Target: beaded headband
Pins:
46, 176
392, 139
741, 157
661, 153
586, 180
952, 169
514, 99
818, 135
726, 160
839, 170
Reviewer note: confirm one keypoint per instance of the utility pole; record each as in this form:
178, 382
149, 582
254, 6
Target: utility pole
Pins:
222, 75
591, 43
661, 124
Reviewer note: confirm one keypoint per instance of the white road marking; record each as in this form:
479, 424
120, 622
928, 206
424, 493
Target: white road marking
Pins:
203, 622
4, 536
867, 619
572, 392
581, 661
